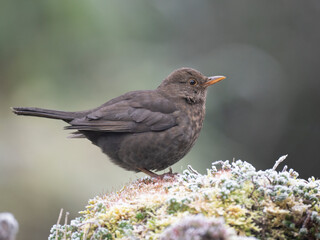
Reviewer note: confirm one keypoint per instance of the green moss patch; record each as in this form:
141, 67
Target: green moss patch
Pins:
232, 197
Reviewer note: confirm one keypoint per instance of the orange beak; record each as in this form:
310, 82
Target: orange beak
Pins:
213, 80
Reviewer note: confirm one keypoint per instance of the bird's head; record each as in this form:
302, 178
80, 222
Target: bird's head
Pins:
189, 84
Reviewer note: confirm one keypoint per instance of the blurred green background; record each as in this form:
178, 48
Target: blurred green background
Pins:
75, 55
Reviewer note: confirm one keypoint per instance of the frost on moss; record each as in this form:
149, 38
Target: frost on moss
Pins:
234, 202
197, 227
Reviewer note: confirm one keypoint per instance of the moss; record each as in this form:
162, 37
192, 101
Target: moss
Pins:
263, 204
175, 206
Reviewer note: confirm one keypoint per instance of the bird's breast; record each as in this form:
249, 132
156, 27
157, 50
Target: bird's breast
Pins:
192, 121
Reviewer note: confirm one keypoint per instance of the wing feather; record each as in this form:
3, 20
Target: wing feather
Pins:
133, 112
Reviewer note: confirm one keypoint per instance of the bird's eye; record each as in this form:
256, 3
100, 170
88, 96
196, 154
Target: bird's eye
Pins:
192, 82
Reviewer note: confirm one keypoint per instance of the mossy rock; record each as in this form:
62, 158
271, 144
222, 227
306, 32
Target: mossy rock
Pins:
234, 202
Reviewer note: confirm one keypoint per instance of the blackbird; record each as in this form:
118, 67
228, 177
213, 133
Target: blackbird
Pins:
143, 130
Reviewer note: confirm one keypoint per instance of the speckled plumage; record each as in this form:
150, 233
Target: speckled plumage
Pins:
144, 130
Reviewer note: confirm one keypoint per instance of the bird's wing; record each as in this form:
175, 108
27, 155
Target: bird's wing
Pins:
133, 112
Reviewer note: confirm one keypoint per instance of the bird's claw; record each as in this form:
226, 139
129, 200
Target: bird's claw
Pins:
167, 174
158, 176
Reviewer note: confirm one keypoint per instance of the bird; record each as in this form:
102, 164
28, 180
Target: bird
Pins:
146, 130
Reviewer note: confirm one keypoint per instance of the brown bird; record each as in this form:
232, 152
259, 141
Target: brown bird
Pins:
143, 130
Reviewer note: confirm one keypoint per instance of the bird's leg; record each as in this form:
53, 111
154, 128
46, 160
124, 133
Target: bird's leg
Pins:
148, 172
154, 175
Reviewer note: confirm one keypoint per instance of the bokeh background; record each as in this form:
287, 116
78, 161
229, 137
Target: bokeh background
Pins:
75, 55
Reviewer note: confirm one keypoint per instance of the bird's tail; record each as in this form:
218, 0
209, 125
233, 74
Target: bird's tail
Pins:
46, 113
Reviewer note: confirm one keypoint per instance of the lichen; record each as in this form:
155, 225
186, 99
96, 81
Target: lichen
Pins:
236, 199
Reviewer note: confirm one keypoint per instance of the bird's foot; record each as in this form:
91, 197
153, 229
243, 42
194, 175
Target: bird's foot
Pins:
168, 174
158, 176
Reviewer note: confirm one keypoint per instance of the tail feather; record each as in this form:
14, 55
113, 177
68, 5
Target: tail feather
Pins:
46, 113
76, 134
